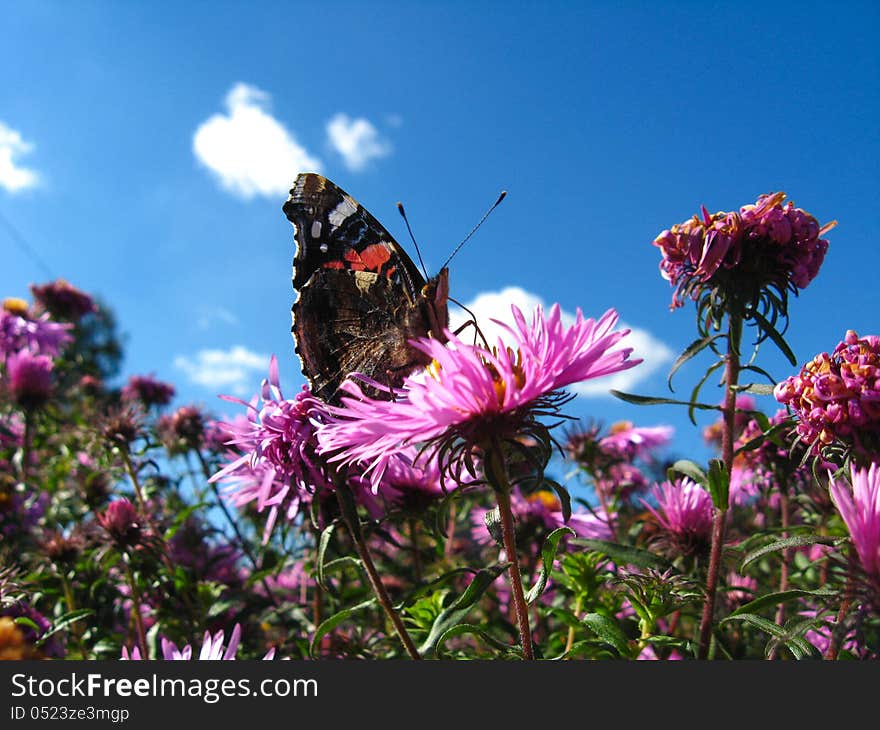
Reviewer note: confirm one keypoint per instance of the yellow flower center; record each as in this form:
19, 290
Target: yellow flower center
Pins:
548, 499
17, 306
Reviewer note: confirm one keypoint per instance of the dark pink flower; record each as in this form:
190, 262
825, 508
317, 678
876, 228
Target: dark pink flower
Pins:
29, 378
63, 300
148, 391
122, 523
836, 397
182, 431
469, 392
766, 244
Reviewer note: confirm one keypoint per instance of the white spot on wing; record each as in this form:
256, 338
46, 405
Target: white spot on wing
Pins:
316, 229
346, 208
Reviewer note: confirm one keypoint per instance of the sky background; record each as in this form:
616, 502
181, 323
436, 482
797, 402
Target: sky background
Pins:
146, 150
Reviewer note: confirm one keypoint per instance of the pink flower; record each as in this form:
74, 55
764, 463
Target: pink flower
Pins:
469, 392
766, 244
212, 648
29, 378
836, 397
684, 511
631, 442
63, 300
148, 391
42, 337
122, 522
277, 451
859, 506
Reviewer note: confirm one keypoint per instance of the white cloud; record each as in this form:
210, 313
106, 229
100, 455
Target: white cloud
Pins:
13, 177
208, 316
238, 369
496, 305
356, 140
248, 149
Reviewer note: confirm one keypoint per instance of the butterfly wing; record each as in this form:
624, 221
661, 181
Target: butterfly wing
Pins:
360, 295
334, 231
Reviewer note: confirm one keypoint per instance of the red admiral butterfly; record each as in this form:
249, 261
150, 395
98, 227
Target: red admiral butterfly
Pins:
361, 298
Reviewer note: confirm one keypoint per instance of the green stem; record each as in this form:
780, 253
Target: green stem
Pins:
352, 521
578, 607
136, 610
76, 630
26, 438
519, 601
731, 377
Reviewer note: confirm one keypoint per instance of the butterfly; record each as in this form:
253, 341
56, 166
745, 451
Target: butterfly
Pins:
361, 299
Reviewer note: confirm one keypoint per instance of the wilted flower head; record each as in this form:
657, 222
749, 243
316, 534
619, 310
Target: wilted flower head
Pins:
148, 391
684, 511
62, 549
19, 331
738, 255
63, 300
29, 378
182, 431
859, 506
469, 395
836, 397
123, 424
277, 447
121, 521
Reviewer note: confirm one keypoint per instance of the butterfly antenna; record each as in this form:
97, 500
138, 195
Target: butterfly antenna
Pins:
474, 229
412, 238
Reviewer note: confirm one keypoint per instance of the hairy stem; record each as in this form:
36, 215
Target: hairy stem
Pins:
731, 376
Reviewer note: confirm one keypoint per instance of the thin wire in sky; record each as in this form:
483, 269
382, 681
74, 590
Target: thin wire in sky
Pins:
25, 247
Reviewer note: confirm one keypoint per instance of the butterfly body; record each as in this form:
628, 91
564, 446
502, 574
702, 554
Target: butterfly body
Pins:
360, 296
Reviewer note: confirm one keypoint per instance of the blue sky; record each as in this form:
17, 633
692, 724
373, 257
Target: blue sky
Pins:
146, 149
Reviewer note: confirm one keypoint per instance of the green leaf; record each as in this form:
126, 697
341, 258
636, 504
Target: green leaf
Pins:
774, 599
461, 606
564, 498
777, 338
757, 389
608, 631
696, 391
63, 622
30, 623
759, 622
689, 352
323, 542
344, 561
788, 542
646, 400
689, 469
623, 554
331, 623
548, 556
464, 629
719, 484
429, 587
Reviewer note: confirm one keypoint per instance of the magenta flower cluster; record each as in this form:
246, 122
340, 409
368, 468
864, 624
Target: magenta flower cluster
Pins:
780, 243
836, 397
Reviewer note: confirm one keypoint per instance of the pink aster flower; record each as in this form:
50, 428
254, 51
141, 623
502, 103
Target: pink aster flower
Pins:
18, 331
859, 506
276, 464
627, 441
469, 393
213, 648
29, 378
684, 511
122, 522
766, 244
836, 397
